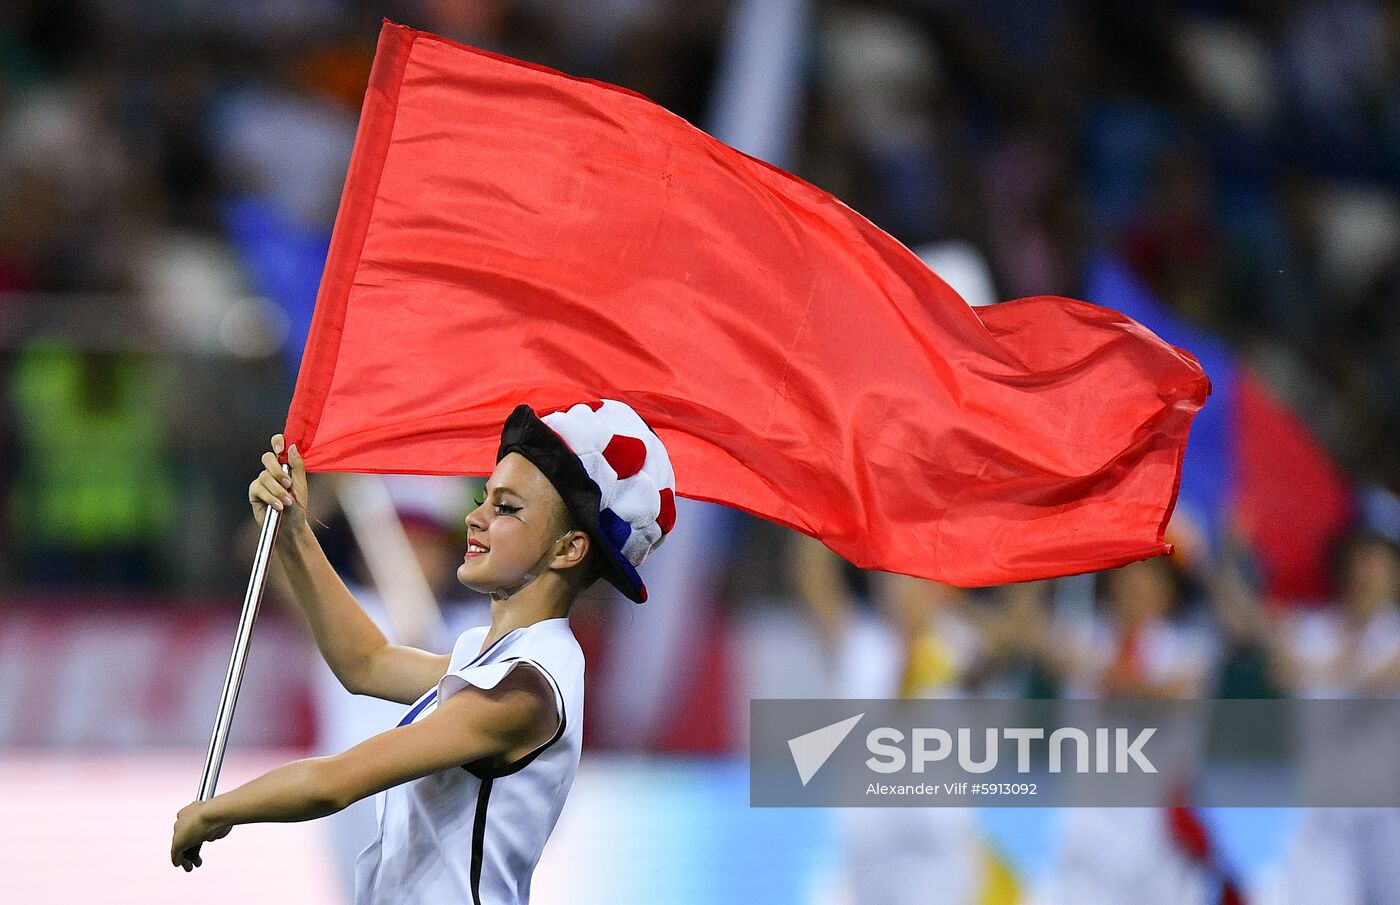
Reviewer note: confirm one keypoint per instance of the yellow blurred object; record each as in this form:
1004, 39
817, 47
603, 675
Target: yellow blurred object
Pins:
929, 663
999, 883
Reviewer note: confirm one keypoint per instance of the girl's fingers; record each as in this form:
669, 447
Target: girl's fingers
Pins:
273, 492
274, 487
273, 466
260, 492
190, 858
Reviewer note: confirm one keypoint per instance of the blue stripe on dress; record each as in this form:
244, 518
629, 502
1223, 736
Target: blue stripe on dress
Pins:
418, 708
432, 695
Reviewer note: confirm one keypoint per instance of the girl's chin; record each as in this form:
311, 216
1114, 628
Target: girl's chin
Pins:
473, 583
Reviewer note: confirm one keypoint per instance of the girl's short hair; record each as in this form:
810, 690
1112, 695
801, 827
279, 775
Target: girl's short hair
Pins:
592, 563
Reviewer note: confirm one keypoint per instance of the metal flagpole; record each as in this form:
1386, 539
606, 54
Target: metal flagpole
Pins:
252, 598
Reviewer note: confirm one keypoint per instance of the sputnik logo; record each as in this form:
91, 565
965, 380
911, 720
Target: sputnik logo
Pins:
813, 749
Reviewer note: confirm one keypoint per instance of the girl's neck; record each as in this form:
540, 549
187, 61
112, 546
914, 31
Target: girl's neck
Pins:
535, 603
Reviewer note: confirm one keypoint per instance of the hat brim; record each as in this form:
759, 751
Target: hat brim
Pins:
526, 434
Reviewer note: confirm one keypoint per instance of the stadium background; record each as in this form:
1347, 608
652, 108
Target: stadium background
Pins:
1226, 172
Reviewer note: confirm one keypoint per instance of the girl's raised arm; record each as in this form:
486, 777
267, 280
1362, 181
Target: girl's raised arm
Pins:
353, 646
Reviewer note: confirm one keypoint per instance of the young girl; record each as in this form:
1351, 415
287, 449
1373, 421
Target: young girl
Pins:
476, 773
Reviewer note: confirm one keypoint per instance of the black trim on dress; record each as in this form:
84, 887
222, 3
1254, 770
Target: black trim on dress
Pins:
479, 838
485, 773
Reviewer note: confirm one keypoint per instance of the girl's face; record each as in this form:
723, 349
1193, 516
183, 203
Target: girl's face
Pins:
516, 524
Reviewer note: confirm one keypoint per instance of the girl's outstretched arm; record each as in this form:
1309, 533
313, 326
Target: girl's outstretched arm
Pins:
499, 724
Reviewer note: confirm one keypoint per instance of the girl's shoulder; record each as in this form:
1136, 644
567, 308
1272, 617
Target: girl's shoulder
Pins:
552, 639
468, 644
547, 639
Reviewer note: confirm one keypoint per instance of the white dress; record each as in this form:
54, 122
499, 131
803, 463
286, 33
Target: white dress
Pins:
470, 835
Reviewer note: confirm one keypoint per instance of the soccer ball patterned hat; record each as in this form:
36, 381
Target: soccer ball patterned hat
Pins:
613, 473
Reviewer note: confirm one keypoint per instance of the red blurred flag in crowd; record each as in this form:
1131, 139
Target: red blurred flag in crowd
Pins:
509, 233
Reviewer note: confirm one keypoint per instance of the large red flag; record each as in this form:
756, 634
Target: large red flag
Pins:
509, 233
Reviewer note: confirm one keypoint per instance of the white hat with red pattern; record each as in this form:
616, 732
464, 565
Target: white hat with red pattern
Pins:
614, 475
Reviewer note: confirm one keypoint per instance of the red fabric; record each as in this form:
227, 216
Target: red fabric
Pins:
1191, 835
512, 234
1279, 463
1126, 672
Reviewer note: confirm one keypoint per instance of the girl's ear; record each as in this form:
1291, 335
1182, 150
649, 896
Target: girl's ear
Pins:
579, 543
575, 546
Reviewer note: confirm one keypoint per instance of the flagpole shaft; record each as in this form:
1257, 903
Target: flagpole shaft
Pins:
252, 599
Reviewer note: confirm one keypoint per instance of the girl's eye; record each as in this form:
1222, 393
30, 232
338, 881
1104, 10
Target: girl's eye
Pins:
501, 508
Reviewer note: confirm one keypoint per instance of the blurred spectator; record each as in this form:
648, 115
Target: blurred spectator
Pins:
1142, 645
272, 136
1348, 855
94, 497
911, 638
879, 76
1352, 649
1026, 656
1247, 667
1173, 244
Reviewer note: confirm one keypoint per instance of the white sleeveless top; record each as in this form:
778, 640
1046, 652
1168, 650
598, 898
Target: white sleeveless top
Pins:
471, 835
